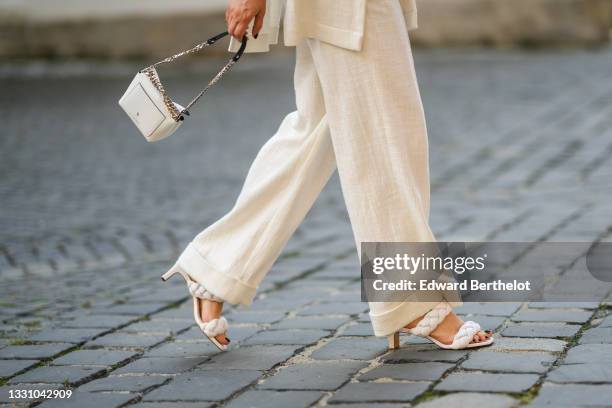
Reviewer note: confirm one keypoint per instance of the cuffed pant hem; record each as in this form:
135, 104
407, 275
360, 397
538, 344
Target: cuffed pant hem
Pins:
216, 282
391, 321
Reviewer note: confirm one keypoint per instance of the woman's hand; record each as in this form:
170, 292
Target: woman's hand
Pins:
239, 14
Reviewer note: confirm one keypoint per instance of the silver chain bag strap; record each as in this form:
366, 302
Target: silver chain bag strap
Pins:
150, 107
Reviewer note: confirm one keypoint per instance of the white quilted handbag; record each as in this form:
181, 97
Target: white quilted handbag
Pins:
146, 102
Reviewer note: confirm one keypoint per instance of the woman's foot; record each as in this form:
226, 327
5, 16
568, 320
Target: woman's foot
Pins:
210, 310
446, 330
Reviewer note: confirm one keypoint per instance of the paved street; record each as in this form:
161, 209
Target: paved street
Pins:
91, 215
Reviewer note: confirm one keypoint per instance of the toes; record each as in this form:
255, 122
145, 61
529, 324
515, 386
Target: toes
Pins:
485, 335
479, 337
482, 336
222, 339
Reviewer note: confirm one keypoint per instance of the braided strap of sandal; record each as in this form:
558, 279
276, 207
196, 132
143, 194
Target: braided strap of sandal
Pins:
431, 320
215, 327
200, 292
465, 335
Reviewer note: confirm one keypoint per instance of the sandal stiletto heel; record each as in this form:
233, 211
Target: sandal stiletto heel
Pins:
394, 341
212, 328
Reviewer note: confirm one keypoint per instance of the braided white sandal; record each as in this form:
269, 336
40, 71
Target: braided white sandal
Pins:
213, 328
462, 340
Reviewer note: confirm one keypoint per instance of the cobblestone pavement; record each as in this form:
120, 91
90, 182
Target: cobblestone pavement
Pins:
91, 216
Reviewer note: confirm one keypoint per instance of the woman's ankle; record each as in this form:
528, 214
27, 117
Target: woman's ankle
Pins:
210, 310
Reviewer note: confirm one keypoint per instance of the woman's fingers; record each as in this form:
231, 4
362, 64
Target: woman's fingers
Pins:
237, 26
240, 13
259, 18
240, 30
231, 26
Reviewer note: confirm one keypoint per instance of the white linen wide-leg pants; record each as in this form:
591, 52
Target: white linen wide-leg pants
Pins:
359, 111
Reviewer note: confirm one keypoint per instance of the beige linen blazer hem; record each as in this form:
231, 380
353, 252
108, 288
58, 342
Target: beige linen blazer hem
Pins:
338, 22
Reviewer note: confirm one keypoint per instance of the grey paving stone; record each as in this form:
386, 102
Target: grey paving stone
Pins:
255, 317
165, 293
373, 405
160, 365
185, 349
582, 373
57, 374
345, 296
34, 351
273, 302
598, 335
66, 335
90, 400
470, 399
128, 340
517, 362
359, 329
320, 375
286, 337
275, 399
10, 367
94, 357
334, 309
351, 348
132, 383
182, 404
488, 309
566, 316
410, 355
5, 391
339, 273
487, 382
204, 385
526, 344
184, 311
431, 371
589, 353
311, 322
250, 357
5, 329
158, 326
541, 330
606, 322
98, 321
564, 305
379, 392
567, 395
136, 309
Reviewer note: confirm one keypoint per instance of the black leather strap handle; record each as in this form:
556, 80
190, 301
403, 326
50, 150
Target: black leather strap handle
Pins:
197, 48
